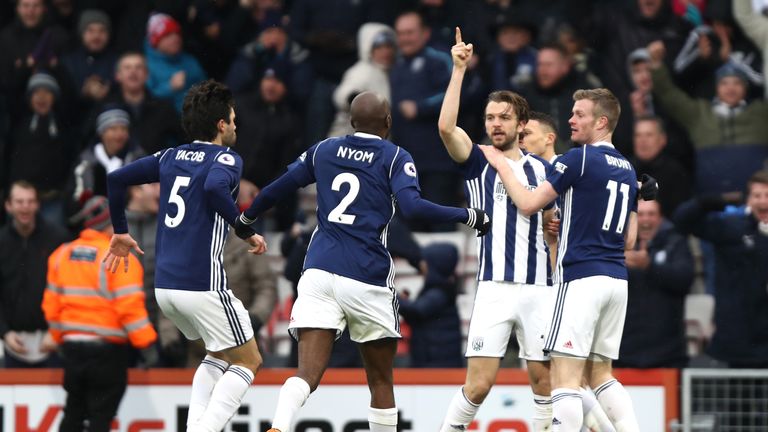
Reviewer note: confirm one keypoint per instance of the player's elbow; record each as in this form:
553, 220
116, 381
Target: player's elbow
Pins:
528, 209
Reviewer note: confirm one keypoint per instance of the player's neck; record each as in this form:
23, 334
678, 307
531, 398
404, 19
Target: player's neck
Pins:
513, 152
217, 140
548, 154
602, 137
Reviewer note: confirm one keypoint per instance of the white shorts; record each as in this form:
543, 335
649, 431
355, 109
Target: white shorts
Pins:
588, 318
330, 301
216, 316
501, 307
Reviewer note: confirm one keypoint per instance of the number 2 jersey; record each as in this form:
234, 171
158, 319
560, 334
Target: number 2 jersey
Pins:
357, 178
597, 188
198, 187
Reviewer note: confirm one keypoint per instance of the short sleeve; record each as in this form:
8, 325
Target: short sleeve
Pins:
566, 170
403, 172
475, 163
303, 168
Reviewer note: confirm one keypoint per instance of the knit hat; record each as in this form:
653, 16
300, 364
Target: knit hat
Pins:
159, 26
730, 69
441, 261
638, 55
91, 16
278, 70
112, 117
272, 18
94, 214
43, 80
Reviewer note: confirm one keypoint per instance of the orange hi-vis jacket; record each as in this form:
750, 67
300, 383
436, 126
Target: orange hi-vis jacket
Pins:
84, 298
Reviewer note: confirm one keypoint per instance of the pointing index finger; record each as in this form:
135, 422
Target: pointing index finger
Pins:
458, 35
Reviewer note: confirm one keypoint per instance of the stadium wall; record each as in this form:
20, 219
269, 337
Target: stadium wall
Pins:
31, 401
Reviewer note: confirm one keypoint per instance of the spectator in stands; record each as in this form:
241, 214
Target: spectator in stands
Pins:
25, 244
755, 26
730, 134
741, 274
660, 275
376, 50
418, 81
553, 87
40, 149
218, 29
272, 44
327, 29
91, 65
433, 316
442, 17
513, 62
155, 123
172, 71
269, 140
642, 104
677, 182
96, 316
27, 45
113, 150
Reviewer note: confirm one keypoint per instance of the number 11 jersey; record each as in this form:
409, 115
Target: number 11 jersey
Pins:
357, 178
598, 190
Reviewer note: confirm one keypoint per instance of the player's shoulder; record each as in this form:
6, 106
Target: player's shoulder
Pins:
228, 157
537, 160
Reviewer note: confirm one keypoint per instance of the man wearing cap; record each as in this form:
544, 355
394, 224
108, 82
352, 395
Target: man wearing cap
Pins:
96, 317
172, 71
40, 150
91, 66
111, 152
729, 133
269, 140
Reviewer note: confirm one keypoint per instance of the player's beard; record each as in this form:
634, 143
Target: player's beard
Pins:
230, 139
506, 144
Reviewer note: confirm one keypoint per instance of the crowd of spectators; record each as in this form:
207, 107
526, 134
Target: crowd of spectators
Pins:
87, 86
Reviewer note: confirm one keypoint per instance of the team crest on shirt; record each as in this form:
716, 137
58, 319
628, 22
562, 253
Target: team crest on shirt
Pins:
477, 343
410, 169
499, 192
226, 159
560, 167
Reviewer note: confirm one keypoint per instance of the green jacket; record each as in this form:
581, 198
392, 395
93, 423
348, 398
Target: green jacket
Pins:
704, 127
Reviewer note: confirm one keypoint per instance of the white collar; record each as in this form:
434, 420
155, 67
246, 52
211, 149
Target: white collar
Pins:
603, 144
201, 142
366, 135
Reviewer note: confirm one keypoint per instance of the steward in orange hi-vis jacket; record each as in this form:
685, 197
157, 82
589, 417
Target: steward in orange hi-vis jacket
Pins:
95, 316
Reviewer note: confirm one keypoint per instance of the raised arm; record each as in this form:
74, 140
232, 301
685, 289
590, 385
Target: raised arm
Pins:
456, 141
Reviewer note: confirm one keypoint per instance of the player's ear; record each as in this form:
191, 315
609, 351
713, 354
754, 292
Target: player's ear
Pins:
388, 121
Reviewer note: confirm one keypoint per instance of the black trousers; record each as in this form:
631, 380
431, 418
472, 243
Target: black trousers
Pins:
95, 378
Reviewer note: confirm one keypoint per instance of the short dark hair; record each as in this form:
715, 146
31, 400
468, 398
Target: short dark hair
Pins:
545, 119
555, 46
760, 177
518, 103
204, 105
23, 184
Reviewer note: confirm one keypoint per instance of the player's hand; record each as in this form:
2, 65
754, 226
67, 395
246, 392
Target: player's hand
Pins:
479, 221
243, 227
461, 53
494, 156
649, 188
553, 227
259, 246
119, 248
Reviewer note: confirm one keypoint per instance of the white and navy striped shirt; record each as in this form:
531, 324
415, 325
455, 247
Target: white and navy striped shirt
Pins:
514, 249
